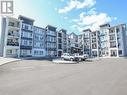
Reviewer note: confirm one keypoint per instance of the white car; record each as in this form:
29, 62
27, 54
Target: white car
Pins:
67, 56
80, 57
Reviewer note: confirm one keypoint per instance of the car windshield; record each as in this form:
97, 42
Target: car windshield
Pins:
71, 54
76, 54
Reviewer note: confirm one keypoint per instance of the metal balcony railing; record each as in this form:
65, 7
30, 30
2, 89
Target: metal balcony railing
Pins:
12, 44
13, 34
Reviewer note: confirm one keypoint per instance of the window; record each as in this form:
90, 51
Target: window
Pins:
9, 51
123, 28
11, 23
111, 31
41, 52
120, 52
94, 53
94, 46
24, 52
117, 30
93, 40
25, 42
113, 52
41, 45
26, 27
59, 35
30, 43
35, 52
60, 40
112, 37
30, 34
112, 44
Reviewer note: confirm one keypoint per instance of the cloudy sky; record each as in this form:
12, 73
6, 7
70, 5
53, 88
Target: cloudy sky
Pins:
73, 15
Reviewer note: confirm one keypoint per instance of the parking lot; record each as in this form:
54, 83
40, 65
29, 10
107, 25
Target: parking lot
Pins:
42, 77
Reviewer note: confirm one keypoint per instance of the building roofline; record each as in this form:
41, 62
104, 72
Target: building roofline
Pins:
87, 30
39, 27
117, 25
12, 18
63, 30
72, 33
26, 17
51, 26
103, 25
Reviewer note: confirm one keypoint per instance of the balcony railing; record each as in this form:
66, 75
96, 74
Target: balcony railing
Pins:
14, 24
13, 34
17, 26
12, 43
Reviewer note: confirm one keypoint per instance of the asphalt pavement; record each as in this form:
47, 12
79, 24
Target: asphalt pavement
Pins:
42, 77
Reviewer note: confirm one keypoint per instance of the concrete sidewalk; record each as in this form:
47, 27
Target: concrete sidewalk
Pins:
7, 60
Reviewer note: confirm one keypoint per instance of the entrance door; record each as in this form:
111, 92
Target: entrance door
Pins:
59, 53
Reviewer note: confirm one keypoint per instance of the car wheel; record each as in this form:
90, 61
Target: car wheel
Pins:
71, 59
80, 59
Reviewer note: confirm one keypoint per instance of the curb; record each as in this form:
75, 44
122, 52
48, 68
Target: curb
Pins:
10, 62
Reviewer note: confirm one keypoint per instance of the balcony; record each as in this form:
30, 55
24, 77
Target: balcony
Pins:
12, 44
26, 47
13, 34
60, 35
14, 25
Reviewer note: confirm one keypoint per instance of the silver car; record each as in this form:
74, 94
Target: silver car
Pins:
67, 56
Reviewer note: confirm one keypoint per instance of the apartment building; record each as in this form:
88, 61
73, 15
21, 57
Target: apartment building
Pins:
68, 44
20, 38
51, 41
87, 42
61, 42
26, 36
95, 43
80, 43
10, 37
104, 40
39, 36
64, 40
117, 41
73, 43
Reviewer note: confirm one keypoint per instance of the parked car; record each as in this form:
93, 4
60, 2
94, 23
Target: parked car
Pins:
80, 57
74, 57
67, 56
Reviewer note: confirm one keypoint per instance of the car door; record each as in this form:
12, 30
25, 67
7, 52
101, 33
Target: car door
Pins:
65, 56
68, 56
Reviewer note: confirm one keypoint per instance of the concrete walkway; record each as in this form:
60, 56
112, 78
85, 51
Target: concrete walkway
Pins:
7, 60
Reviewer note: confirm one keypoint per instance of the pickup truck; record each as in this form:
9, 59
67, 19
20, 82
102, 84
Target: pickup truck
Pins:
74, 57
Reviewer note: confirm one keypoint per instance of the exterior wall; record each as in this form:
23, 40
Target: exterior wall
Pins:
64, 40
51, 41
117, 41
10, 39
68, 44
38, 52
73, 43
80, 42
95, 43
104, 40
19, 37
26, 37
61, 42
2, 39
87, 42
39, 42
